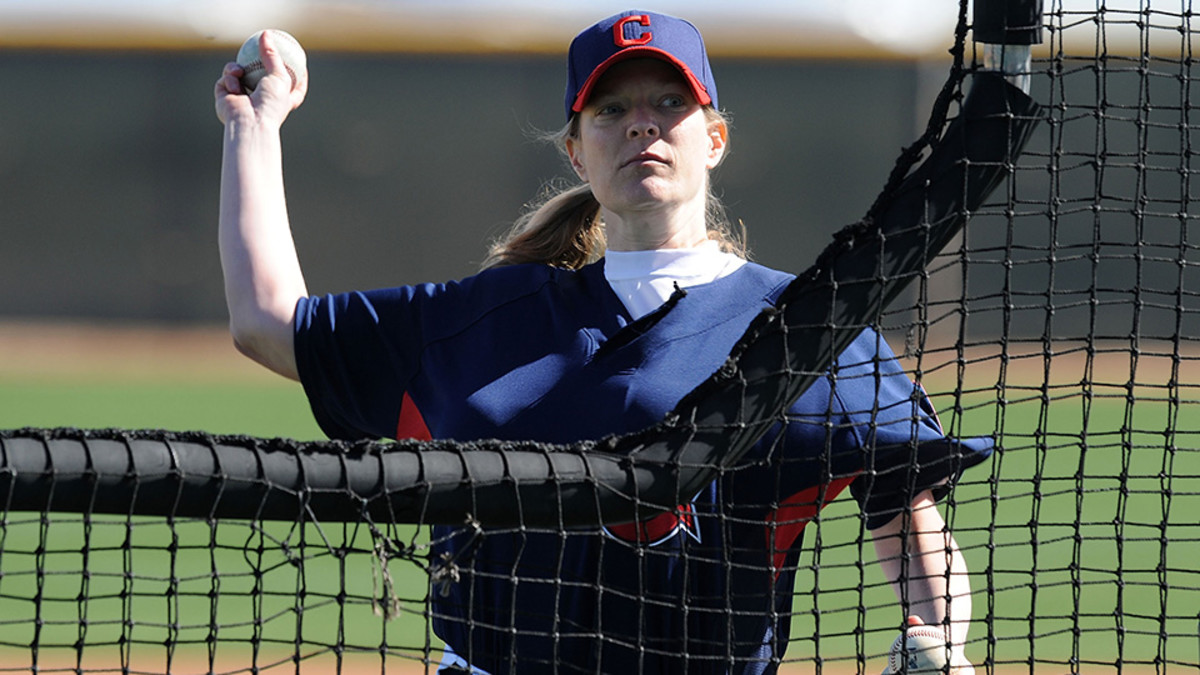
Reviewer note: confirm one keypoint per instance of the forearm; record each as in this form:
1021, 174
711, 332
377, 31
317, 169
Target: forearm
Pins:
263, 280
936, 585
927, 570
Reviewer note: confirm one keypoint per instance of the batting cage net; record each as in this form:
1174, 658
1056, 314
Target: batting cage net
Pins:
1052, 335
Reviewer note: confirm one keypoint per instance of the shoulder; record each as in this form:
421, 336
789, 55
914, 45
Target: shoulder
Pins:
499, 286
767, 274
490, 288
425, 308
505, 296
455, 302
738, 296
510, 279
770, 282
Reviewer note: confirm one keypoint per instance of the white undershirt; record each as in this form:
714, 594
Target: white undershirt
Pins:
645, 279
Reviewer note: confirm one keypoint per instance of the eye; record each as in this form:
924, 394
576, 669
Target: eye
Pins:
607, 109
673, 101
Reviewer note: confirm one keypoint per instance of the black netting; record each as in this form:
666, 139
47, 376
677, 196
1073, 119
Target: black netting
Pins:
1059, 326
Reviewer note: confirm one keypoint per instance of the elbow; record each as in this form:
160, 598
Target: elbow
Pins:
269, 346
244, 343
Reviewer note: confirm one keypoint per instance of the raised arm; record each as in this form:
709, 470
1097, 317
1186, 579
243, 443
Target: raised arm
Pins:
262, 274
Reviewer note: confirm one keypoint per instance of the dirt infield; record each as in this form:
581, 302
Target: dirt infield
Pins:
362, 664
133, 351
359, 664
191, 663
1063, 365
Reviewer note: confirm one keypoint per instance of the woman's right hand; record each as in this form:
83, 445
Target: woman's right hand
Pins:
273, 99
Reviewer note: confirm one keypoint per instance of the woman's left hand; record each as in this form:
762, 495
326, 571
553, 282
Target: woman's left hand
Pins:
959, 665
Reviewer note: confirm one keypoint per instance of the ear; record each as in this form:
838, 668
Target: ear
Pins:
718, 137
575, 155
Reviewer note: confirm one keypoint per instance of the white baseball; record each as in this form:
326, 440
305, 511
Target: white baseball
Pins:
289, 48
923, 646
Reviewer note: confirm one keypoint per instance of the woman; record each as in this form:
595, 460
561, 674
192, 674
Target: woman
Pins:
594, 317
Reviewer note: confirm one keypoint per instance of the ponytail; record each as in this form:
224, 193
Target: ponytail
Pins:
564, 231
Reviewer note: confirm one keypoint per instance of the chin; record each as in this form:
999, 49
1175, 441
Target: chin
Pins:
649, 194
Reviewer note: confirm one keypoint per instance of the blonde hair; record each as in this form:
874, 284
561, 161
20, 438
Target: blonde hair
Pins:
563, 228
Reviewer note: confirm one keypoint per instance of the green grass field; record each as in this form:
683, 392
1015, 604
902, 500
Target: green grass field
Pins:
1090, 558
1086, 557
167, 583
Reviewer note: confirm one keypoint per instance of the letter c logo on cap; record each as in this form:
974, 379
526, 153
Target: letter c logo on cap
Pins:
619, 31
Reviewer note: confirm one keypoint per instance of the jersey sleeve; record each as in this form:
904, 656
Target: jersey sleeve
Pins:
357, 352
866, 421
378, 364
902, 448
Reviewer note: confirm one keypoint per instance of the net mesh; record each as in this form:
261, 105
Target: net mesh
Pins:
1059, 324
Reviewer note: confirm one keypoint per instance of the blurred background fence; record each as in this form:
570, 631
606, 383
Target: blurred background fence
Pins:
414, 148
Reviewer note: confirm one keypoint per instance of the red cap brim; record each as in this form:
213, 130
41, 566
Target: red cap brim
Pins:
585, 92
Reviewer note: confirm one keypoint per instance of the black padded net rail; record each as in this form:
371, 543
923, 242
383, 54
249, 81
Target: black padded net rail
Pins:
1059, 324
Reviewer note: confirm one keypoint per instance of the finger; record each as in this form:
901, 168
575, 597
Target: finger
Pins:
230, 81
914, 620
300, 90
272, 61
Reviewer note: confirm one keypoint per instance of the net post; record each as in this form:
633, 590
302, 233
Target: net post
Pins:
1006, 31
1008, 22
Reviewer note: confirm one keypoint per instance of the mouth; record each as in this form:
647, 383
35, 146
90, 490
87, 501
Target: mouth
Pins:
646, 158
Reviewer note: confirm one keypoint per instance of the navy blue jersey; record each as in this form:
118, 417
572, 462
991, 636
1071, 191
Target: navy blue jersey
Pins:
530, 352
534, 352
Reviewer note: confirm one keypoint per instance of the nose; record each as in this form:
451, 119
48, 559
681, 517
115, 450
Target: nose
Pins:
643, 123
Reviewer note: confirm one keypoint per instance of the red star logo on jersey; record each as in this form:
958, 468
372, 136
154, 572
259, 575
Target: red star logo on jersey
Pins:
658, 529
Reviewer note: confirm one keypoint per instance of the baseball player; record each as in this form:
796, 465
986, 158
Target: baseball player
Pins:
601, 309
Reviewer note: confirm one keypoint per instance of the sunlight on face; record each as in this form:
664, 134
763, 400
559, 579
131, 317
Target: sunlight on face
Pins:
645, 145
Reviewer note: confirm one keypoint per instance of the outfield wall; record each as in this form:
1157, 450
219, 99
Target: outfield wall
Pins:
401, 167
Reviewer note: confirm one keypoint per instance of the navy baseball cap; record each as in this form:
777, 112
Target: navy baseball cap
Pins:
636, 34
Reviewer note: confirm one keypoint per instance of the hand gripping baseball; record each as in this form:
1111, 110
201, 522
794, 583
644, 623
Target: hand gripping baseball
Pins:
921, 648
280, 90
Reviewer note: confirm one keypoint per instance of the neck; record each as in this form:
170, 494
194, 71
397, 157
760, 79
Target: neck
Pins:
650, 231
